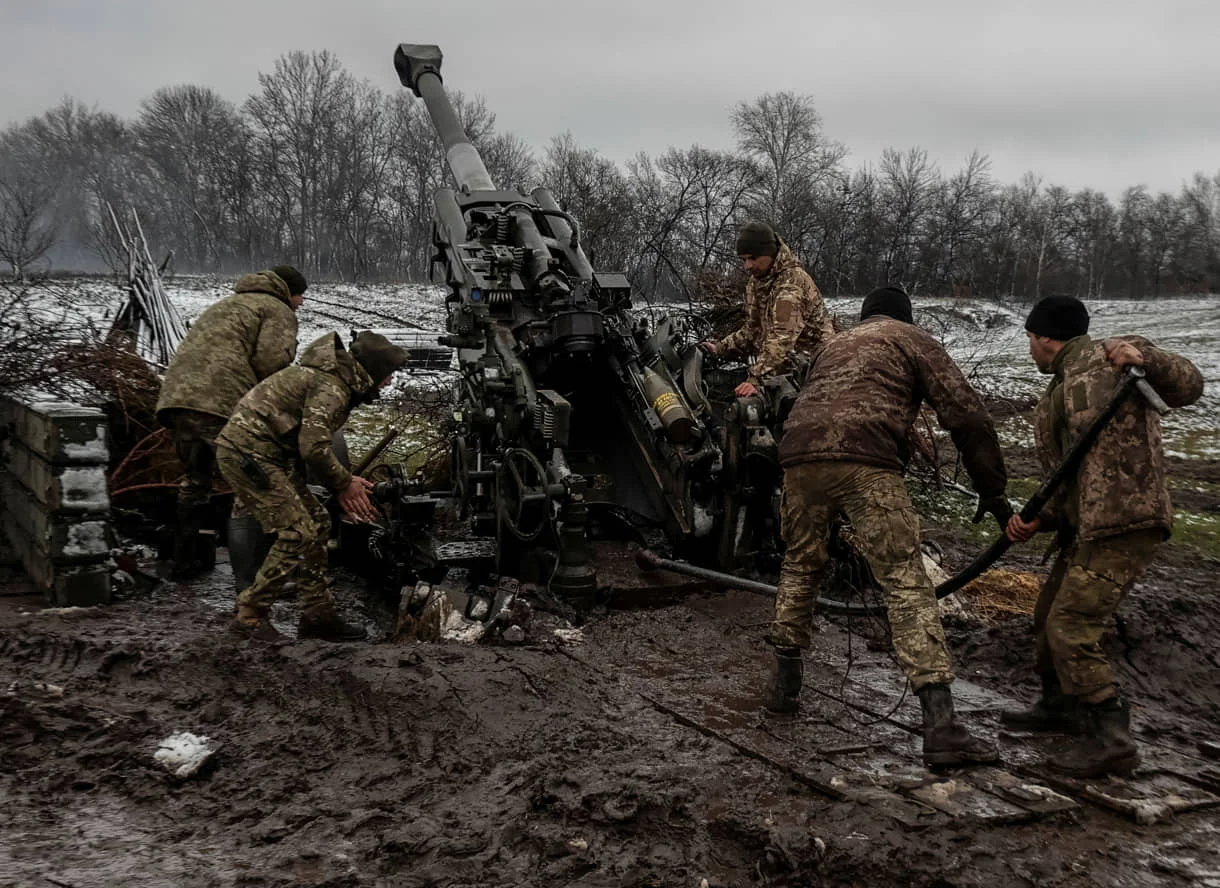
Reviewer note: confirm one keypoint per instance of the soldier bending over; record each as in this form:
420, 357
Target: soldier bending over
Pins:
1110, 519
844, 449
286, 423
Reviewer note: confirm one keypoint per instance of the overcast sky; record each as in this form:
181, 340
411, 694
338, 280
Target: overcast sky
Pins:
1100, 94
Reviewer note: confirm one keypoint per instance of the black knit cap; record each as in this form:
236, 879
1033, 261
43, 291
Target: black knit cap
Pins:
293, 278
1058, 317
893, 302
377, 355
757, 239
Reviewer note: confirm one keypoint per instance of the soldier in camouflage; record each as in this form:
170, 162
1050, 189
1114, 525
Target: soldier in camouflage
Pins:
786, 320
1110, 521
282, 427
235, 343
844, 449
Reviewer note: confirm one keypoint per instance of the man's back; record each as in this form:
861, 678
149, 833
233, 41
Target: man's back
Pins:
863, 396
236, 342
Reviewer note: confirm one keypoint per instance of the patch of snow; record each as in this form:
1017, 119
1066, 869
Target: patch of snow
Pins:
569, 636
87, 538
184, 753
458, 628
94, 451
85, 487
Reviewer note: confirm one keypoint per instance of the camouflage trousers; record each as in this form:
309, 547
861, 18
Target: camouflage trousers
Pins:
887, 530
194, 435
1086, 584
195, 443
286, 508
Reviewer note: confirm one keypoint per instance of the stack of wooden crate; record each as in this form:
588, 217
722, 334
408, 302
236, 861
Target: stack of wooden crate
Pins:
56, 510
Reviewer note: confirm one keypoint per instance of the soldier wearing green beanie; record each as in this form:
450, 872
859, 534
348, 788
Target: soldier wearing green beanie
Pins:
785, 315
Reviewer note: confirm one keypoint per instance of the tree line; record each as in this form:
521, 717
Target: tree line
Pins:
336, 176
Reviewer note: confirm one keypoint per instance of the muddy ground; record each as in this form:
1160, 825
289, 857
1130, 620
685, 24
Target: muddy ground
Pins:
635, 755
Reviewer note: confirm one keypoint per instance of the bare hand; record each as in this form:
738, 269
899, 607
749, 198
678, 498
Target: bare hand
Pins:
745, 390
1121, 353
709, 347
1018, 531
354, 500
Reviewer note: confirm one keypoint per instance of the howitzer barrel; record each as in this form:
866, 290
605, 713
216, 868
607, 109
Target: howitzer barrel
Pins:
419, 69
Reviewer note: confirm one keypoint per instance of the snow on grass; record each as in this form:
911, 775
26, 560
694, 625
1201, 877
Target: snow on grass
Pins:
988, 341
986, 338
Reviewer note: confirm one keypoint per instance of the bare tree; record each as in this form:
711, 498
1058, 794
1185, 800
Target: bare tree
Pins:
782, 132
907, 183
188, 135
27, 195
594, 190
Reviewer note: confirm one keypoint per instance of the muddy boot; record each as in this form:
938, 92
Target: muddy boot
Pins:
329, 626
1106, 747
188, 523
783, 694
1055, 713
945, 742
254, 622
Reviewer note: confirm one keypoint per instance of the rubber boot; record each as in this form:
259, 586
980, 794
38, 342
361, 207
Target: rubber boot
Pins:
945, 742
1106, 747
784, 691
248, 546
326, 625
254, 622
188, 523
1055, 713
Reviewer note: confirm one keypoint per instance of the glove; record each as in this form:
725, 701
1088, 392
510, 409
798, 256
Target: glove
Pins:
998, 506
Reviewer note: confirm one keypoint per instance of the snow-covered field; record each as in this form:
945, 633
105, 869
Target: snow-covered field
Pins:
986, 338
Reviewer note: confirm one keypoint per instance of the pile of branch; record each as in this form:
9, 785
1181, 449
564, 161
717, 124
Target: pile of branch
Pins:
148, 319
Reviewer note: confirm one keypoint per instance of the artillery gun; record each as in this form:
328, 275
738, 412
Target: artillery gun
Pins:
566, 403
571, 411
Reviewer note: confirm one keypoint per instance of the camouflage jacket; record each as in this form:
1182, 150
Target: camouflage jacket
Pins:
863, 396
293, 415
238, 341
1120, 486
784, 315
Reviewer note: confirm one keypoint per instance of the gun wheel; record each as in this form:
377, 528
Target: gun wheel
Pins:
521, 498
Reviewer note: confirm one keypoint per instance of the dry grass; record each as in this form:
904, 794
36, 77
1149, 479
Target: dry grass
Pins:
998, 594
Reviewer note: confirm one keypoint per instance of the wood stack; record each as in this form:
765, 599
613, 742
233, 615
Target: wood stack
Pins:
148, 319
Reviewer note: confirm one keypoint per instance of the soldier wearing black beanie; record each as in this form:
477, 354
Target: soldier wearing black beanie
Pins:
1058, 317
893, 302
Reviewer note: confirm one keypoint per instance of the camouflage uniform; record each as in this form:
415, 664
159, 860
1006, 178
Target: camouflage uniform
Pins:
282, 426
238, 341
785, 317
1115, 513
845, 448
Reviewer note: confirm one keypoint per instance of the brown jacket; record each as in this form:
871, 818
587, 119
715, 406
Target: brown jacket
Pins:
1120, 486
785, 315
238, 341
863, 396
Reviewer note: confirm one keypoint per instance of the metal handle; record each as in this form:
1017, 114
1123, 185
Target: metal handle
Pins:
1155, 401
